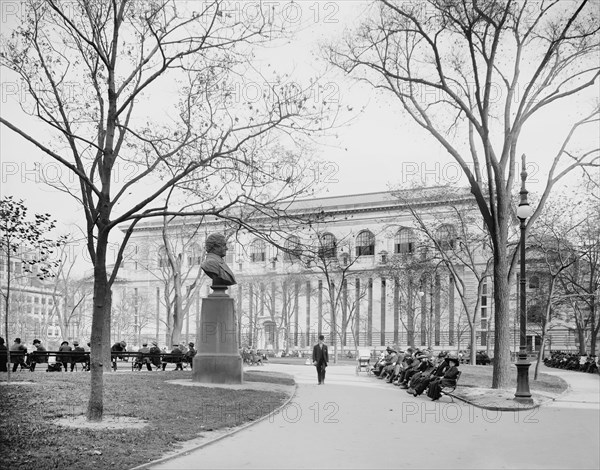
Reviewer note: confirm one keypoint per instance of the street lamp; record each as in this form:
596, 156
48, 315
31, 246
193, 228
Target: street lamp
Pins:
524, 211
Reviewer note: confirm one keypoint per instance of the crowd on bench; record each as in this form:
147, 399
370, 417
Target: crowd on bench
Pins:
418, 371
68, 356
571, 361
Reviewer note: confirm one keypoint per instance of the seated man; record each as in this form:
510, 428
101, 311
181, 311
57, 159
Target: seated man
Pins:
189, 355
387, 365
143, 358
412, 368
176, 358
117, 348
18, 352
155, 355
419, 382
38, 356
78, 356
434, 390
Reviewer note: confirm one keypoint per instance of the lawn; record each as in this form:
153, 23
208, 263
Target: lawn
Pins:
481, 376
174, 413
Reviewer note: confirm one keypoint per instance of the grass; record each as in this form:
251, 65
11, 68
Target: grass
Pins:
481, 376
174, 413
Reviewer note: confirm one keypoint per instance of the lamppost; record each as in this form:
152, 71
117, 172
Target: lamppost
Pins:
524, 211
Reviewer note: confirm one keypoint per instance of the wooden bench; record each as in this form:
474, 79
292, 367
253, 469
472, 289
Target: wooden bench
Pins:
448, 389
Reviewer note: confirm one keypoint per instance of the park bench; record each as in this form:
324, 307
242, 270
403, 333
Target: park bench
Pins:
448, 389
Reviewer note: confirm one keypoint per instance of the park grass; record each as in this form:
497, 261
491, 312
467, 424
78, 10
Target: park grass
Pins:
29, 439
481, 377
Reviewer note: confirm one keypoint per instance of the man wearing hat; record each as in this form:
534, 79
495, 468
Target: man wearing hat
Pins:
390, 362
117, 348
38, 356
155, 355
144, 358
320, 357
78, 355
189, 355
434, 390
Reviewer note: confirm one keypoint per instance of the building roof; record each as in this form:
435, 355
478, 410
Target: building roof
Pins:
364, 202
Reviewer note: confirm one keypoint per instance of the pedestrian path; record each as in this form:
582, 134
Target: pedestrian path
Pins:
359, 422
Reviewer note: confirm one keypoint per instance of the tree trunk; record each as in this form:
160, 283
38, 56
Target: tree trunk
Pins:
100, 313
473, 343
581, 337
502, 360
540, 354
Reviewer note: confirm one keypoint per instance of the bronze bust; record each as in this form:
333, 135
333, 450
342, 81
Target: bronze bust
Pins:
214, 265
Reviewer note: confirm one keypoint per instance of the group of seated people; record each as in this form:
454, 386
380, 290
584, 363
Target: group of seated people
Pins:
153, 356
570, 361
252, 357
418, 371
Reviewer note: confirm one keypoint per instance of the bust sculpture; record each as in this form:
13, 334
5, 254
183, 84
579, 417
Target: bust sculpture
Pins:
214, 265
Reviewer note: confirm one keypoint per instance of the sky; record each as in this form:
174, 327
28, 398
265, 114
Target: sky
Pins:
379, 149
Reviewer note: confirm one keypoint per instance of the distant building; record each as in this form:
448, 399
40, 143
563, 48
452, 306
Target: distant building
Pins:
282, 297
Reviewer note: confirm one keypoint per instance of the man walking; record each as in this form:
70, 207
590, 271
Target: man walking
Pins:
320, 358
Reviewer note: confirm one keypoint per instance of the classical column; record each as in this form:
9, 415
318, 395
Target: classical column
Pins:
296, 292
451, 311
357, 312
344, 310
320, 306
307, 313
370, 312
437, 309
383, 313
250, 315
239, 313
396, 311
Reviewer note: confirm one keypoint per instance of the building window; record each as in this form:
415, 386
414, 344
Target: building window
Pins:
162, 257
293, 249
327, 246
365, 244
534, 282
258, 251
195, 256
404, 241
446, 237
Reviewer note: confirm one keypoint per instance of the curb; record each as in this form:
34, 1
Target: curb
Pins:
218, 438
520, 408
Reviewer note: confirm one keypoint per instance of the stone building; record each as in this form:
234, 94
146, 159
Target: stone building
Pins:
363, 254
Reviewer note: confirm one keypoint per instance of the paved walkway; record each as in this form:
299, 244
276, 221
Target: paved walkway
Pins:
359, 422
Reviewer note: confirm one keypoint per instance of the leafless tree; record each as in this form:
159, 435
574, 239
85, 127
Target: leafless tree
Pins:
474, 74
97, 72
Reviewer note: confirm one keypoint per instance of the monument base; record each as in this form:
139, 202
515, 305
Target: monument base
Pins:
218, 369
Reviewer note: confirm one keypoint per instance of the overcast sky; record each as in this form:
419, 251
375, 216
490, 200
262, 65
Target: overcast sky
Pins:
378, 149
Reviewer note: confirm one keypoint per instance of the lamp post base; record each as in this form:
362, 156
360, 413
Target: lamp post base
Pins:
523, 395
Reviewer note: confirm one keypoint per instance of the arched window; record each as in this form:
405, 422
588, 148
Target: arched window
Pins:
446, 236
404, 241
195, 255
293, 249
258, 251
365, 243
327, 246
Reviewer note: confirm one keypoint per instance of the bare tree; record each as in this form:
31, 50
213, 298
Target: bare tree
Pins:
456, 239
124, 60
473, 74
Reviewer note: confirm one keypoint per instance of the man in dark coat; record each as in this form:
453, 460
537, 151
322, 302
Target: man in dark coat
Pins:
38, 356
117, 347
434, 390
3, 355
320, 358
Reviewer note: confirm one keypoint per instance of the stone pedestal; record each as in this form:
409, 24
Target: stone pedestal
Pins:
218, 359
